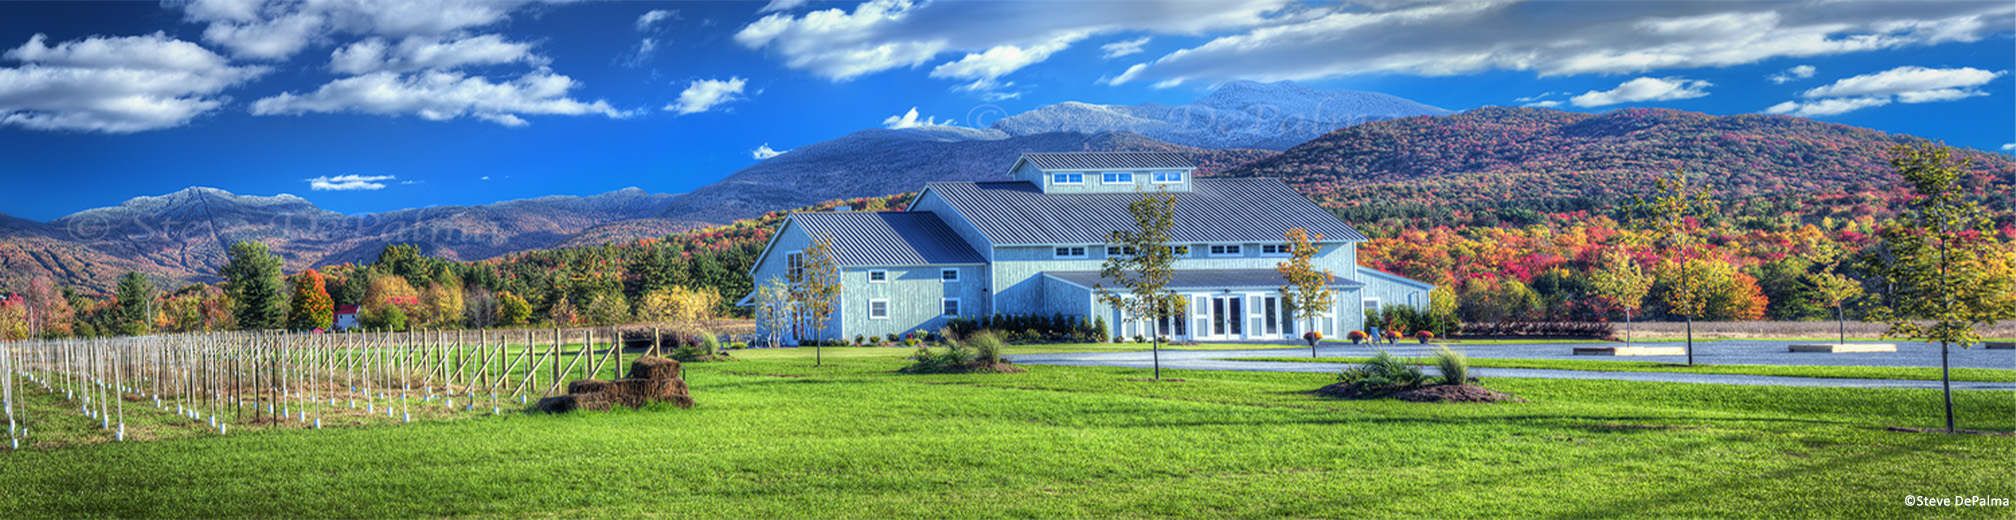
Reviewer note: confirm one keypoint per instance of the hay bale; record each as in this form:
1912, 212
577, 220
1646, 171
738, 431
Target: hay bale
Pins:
572, 402
638, 392
587, 386
653, 367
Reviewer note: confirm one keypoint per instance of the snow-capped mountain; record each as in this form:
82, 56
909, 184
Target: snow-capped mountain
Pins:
1243, 114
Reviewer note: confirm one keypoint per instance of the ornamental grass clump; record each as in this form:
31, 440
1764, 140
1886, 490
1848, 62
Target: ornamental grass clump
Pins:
1455, 368
980, 352
1384, 370
986, 346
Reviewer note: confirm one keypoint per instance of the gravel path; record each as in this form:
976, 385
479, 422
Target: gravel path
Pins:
1721, 352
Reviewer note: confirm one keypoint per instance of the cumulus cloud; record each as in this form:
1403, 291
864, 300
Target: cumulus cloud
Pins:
420, 52
350, 182
910, 120
1826, 107
277, 29
648, 19
764, 152
702, 95
1644, 89
1439, 39
1909, 84
1122, 48
441, 96
1906, 81
114, 84
1794, 73
880, 35
2010, 146
781, 5
984, 69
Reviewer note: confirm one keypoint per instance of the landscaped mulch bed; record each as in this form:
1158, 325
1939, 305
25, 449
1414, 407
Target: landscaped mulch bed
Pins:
1425, 394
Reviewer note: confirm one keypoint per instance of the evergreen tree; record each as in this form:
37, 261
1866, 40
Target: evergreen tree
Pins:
136, 304
255, 286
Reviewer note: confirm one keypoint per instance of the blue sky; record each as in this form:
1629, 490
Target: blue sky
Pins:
375, 105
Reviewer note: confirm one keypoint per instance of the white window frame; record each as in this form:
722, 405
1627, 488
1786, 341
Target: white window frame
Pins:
1067, 178
873, 272
1060, 252
794, 266
953, 270
955, 307
1280, 250
1179, 251
885, 308
1371, 304
1119, 251
1116, 178
1168, 177
1227, 250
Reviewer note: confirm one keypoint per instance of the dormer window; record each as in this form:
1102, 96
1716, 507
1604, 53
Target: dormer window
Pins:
1168, 177
1067, 178
1118, 178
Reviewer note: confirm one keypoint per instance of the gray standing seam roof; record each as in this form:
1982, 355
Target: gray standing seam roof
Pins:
1255, 210
1200, 279
1110, 161
889, 238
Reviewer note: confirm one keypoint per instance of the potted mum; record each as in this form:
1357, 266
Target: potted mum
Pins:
1424, 336
1356, 337
1392, 336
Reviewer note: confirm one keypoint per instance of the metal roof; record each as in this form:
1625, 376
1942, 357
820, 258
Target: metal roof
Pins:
1109, 161
1255, 210
888, 238
1198, 279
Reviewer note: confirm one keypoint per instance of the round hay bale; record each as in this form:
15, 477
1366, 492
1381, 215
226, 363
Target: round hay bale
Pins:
638, 392
587, 386
653, 367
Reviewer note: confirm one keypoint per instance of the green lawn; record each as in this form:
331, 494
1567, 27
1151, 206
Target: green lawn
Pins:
773, 436
1913, 373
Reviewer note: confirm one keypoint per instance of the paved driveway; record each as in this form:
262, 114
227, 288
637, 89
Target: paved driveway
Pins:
1721, 352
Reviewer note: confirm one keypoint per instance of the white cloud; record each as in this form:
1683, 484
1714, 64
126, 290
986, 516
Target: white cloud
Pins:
764, 152
909, 120
1544, 104
880, 35
420, 52
1826, 107
1905, 80
648, 19
984, 69
1122, 48
277, 29
350, 182
114, 84
702, 95
483, 178
440, 96
2010, 146
1794, 73
1439, 39
781, 5
1644, 89
1908, 84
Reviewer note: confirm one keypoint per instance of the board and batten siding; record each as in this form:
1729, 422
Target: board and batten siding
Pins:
916, 297
1020, 289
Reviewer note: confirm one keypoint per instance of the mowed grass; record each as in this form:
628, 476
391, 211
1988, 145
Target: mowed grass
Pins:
1996, 375
773, 436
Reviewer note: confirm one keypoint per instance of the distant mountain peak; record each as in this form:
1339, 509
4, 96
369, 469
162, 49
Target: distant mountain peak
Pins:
1240, 114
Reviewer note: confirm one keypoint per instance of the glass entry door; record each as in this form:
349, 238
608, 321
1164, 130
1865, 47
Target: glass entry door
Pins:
1228, 316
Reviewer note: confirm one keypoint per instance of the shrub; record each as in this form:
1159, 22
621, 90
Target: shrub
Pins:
709, 342
737, 345
892, 337
1140, 338
1032, 336
912, 342
986, 346
860, 339
1384, 370
1455, 368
